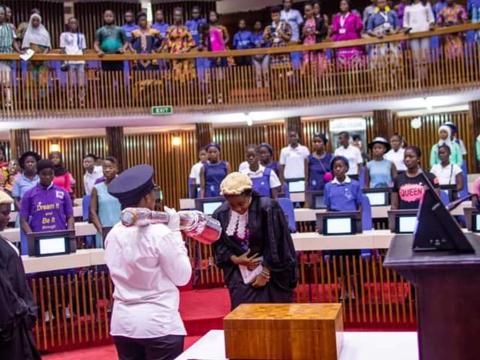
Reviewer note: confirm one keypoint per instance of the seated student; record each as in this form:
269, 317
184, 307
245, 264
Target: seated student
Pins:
397, 153
446, 172
46, 207
243, 39
342, 193
213, 172
409, 187
317, 168
380, 171
265, 181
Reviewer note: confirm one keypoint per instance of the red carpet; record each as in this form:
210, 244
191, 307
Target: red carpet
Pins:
201, 310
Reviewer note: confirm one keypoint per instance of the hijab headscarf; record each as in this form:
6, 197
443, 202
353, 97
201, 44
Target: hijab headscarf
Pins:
447, 142
38, 36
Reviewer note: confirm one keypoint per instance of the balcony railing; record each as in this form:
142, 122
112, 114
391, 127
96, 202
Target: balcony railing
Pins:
52, 92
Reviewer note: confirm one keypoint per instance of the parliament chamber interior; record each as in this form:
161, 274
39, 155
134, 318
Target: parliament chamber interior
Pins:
264, 179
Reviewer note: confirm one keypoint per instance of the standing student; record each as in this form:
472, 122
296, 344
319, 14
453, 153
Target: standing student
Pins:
160, 24
29, 178
419, 17
452, 14
146, 264
104, 208
46, 207
278, 34
397, 153
255, 251
145, 40
110, 39
213, 172
342, 193
318, 169
93, 172
380, 171
194, 24
62, 177
409, 187
383, 22
351, 153
314, 31
265, 152
447, 173
242, 40
196, 170
445, 138
264, 180
295, 19
260, 62
456, 139
129, 26
292, 159
73, 42
368, 12
219, 39
19, 312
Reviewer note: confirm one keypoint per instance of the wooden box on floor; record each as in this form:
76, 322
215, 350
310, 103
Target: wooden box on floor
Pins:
284, 331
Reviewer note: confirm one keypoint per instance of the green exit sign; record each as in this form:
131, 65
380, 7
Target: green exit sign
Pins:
162, 110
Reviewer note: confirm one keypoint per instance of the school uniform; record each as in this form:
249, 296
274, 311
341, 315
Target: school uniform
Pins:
343, 196
317, 169
214, 175
354, 157
293, 158
263, 180
398, 158
146, 264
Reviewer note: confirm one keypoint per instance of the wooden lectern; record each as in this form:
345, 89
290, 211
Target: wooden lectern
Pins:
447, 296
284, 331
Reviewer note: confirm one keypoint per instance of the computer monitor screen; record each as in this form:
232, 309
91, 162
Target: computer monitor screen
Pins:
336, 226
210, 207
50, 246
406, 224
377, 198
296, 186
12, 207
476, 227
319, 202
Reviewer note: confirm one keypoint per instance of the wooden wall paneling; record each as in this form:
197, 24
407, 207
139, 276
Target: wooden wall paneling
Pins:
474, 122
116, 145
204, 134
20, 142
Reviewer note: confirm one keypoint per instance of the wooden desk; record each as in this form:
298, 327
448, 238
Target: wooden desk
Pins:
82, 258
77, 213
81, 229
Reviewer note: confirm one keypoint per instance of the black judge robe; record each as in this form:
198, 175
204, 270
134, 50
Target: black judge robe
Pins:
18, 310
270, 238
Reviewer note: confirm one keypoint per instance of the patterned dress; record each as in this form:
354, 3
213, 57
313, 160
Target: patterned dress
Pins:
453, 15
272, 36
145, 41
348, 27
180, 40
6, 46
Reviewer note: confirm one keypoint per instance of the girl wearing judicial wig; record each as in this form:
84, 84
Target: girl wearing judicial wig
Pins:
213, 172
146, 264
317, 165
255, 250
343, 193
409, 187
380, 171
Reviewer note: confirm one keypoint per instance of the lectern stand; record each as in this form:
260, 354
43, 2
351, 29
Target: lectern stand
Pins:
447, 296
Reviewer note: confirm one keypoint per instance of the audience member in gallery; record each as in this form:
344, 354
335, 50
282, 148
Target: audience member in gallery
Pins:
265, 152
110, 39
295, 19
445, 138
351, 153
7, 46
314, 31
278, 34
129, 26
255, 251
179, 40
446, 172
317, 10
419, 17
384, 22
213, 172
18, 307
160, 25
318, 169
22, 27
260, 61
409, 187
46, 207
146, 264
342, 193
93, 172
242, 40
29, 178
265, 181
380, 171
219, 39
145, 40
368, 12
104, 208
195, 172
63, 178
292, 158
397, 153
453, 14
347, 25
194, 24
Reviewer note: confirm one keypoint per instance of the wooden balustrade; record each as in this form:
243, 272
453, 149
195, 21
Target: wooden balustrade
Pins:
52, 93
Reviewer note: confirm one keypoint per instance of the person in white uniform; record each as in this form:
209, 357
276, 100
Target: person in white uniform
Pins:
146, 265
195, 172
351, 153
292, 158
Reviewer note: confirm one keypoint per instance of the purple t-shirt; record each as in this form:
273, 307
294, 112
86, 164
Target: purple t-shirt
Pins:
46, 209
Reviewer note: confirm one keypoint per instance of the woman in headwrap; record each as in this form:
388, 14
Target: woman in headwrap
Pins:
445, 138
37, 38
255, 250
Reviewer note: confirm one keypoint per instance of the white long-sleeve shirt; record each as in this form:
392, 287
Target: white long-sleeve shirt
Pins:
146, 265
418, 17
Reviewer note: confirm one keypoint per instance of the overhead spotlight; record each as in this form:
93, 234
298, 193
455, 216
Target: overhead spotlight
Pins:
176, 141
248, 119
54, 148
416, 123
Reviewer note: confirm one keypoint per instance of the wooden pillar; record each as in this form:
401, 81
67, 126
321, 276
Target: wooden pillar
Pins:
294, 124
383, 123
116, 145
204, 134
19, 142
475, 126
